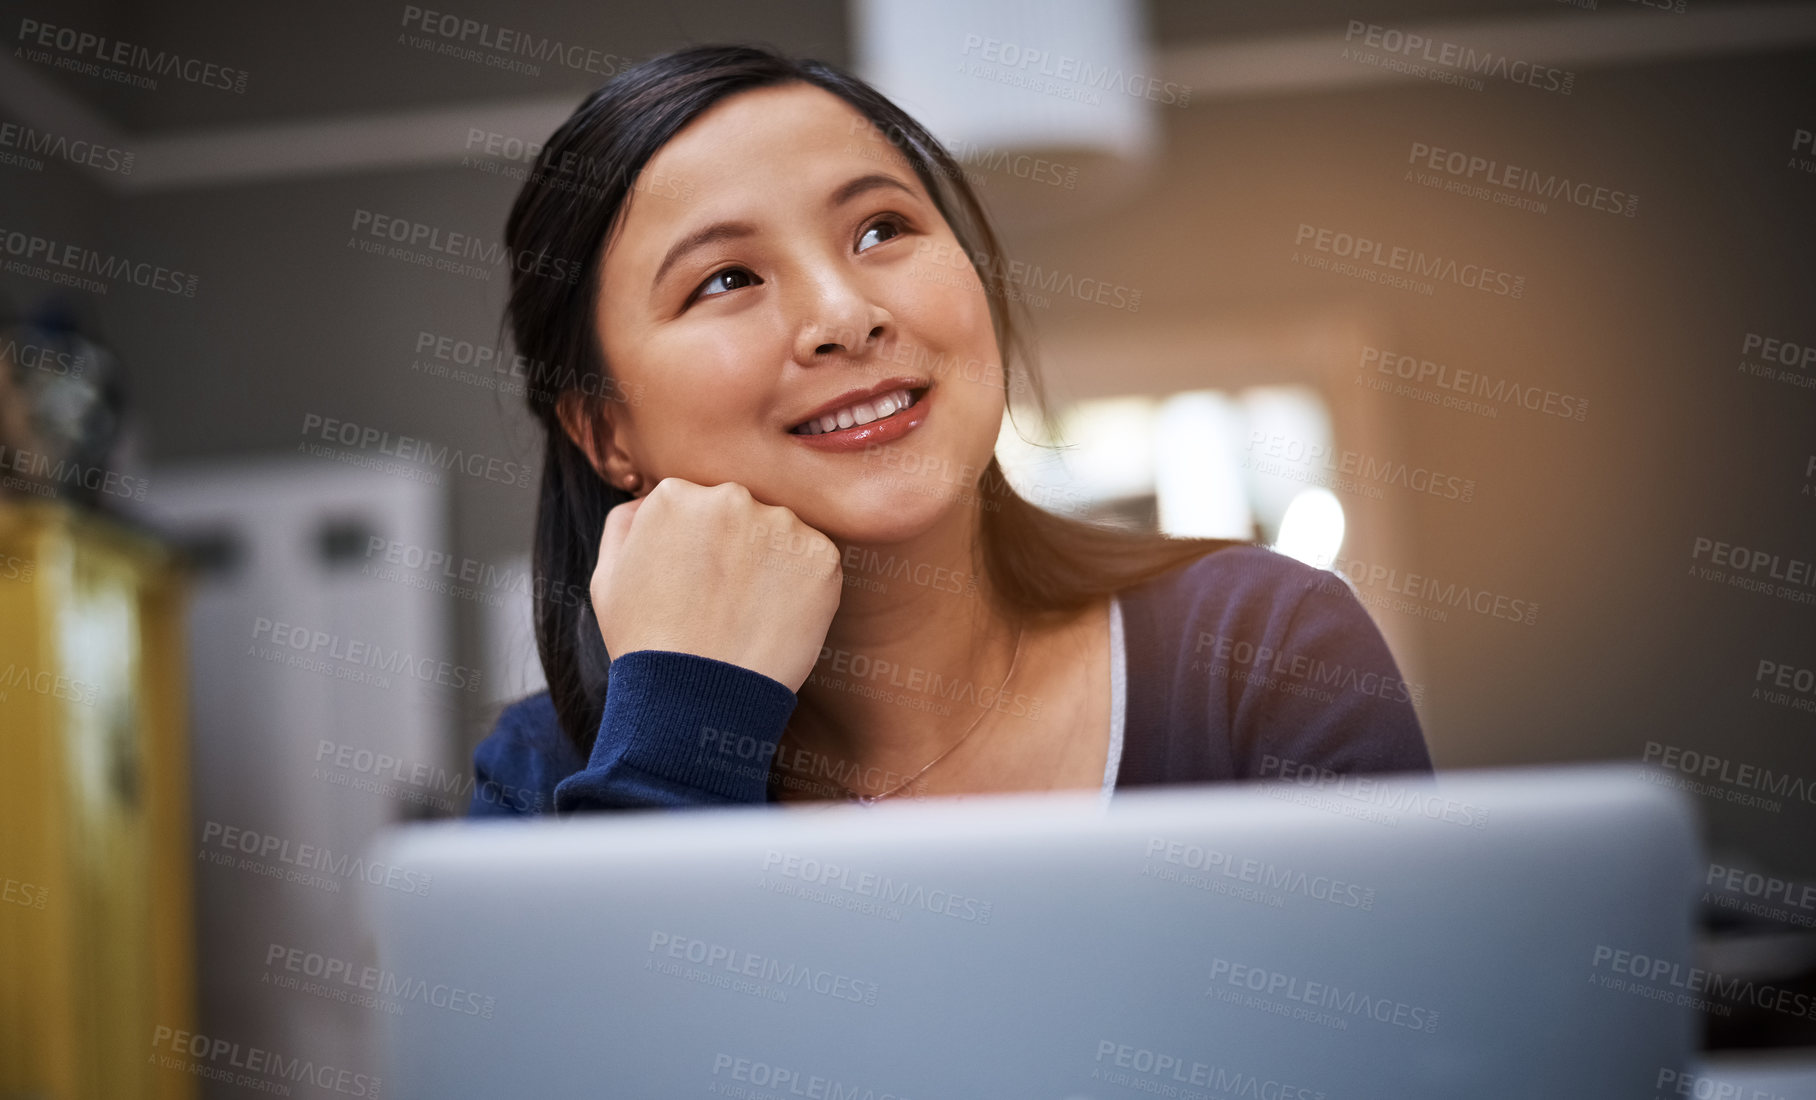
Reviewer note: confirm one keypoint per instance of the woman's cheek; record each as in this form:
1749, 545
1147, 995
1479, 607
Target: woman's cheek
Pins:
722, 371
938, 275
945, 314
692, 390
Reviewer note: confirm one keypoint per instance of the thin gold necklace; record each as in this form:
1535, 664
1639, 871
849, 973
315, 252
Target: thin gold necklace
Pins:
867, 799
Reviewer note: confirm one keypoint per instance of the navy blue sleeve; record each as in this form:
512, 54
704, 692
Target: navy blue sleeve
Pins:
680, 730
1322, 690
516, 767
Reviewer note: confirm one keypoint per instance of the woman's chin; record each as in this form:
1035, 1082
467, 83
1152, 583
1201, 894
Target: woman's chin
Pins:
889, 510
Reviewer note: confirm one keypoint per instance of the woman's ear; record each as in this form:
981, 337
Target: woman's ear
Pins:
589, 425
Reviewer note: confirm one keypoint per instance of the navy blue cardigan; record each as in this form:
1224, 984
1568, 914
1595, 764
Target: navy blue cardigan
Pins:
1241, 664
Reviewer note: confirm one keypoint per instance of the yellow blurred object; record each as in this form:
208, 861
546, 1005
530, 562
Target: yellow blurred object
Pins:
96, 940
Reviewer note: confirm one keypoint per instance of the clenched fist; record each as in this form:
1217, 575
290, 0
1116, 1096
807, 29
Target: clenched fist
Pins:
711, 571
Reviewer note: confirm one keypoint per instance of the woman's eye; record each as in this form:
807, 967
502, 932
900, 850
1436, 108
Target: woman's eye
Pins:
888, 229
732, 278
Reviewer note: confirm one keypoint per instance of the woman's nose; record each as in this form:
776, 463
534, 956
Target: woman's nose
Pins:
838, 319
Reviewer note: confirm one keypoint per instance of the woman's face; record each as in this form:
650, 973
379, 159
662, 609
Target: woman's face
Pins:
779, 260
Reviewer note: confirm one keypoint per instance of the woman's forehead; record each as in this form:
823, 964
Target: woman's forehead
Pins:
772, 125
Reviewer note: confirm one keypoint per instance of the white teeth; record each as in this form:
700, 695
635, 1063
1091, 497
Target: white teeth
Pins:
864, 412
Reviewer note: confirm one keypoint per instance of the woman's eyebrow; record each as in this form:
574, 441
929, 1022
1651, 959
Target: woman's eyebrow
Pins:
863, 184
727, 231
712, 234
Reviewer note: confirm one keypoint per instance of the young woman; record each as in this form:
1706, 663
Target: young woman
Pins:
768, 334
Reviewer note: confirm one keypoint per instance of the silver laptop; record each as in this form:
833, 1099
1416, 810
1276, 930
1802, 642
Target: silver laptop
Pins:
1516, 933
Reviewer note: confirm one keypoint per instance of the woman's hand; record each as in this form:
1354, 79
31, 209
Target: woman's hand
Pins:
711, 571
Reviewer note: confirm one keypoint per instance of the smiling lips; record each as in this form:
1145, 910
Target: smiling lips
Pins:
875, 419
860, 412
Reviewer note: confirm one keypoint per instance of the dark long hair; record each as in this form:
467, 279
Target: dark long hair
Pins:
1037, 563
